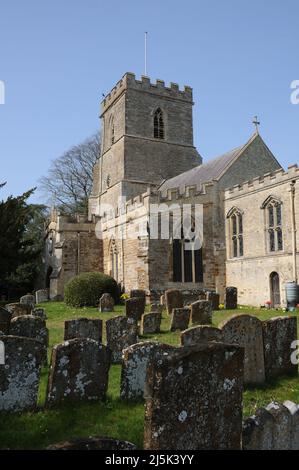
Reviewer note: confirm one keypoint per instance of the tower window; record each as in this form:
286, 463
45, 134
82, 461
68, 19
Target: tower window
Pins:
159, 125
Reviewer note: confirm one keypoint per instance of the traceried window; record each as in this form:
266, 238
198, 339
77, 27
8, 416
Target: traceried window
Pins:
159, 131
273, 208
187, 260
235, 218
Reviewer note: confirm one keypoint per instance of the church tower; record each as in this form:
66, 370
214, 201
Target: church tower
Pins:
147, 137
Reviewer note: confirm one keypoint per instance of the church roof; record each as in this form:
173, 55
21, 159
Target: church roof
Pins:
211, 171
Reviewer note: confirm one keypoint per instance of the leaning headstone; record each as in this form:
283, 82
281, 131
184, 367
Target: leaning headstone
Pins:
282, 426
279, 334
20, 373
17, 309
135, 307
246, 331
214, 298
294, 412
79, 371
106, 303
31, 327
41, 295
173, 299
150, 323
258, 431
28, 300
83, 328
180, 318
156, 307
93, 443
194, 399
201, 313
40, 313
231, 298
200, 334
135, 362
5, 318
121, 333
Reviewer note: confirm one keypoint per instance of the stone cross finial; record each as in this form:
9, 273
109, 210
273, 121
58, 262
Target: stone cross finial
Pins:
256, 124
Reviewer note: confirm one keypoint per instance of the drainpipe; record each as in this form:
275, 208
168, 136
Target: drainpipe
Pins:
294, 230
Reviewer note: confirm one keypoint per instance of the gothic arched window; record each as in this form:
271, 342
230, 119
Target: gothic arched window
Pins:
235, 218
273, 208
159, 124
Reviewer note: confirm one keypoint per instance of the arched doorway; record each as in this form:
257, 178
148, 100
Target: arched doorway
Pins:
275, 289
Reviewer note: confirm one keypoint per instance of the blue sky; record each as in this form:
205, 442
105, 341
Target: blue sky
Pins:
58, 57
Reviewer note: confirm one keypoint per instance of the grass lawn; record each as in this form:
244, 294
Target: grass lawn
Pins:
114, 418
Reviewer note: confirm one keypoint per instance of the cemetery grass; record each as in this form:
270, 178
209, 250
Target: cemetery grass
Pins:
114, 418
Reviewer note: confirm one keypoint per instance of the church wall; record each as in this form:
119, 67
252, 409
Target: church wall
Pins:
251, 272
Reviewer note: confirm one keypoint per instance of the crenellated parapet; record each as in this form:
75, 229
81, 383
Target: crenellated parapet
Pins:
129, 81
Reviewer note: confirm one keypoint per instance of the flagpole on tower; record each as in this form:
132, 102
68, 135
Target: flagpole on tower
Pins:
145, 53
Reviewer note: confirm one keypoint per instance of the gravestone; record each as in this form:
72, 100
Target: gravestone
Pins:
200, 334
173, 299
17, 309
121, 333
194, 399
162, 300
93, 443
156, 307
282, 426
180, 318
135, 308
294, 413
202, 295
20, 373
31, 327
83, 328
40, 313
41, 295
5, 318
246, 331
28, 300
201, 313
279, 333
150, 323
231, 298
214, 298
258, 431
106, 303
135, 362
79, 371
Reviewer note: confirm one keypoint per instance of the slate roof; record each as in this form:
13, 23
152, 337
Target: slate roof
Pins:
202, 173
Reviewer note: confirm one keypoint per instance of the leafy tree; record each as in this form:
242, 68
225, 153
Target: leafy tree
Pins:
68, 183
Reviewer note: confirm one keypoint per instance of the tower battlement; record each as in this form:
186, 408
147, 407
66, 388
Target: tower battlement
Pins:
129, 81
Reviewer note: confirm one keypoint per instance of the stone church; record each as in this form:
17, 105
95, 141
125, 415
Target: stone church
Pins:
149, 171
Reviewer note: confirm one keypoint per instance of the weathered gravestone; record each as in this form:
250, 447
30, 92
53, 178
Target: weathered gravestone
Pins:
5, 318
246, 331
135, 308
156, 307
200, 334
40, 313
275, 427
121, 332
93, 443
41, 295
17, 309
135, 362
79, 371
194, 399
20, 373
173, 299
201, 313
231, 298
106, 303
279, 334
83, 328
31, 327
28, 300
214, 298
138, 293
150, 323
202, 295
180, 318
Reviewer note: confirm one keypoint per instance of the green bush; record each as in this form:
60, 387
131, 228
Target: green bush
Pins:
87, 288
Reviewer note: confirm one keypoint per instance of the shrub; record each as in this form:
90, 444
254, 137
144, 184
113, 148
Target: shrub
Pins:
87, 288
